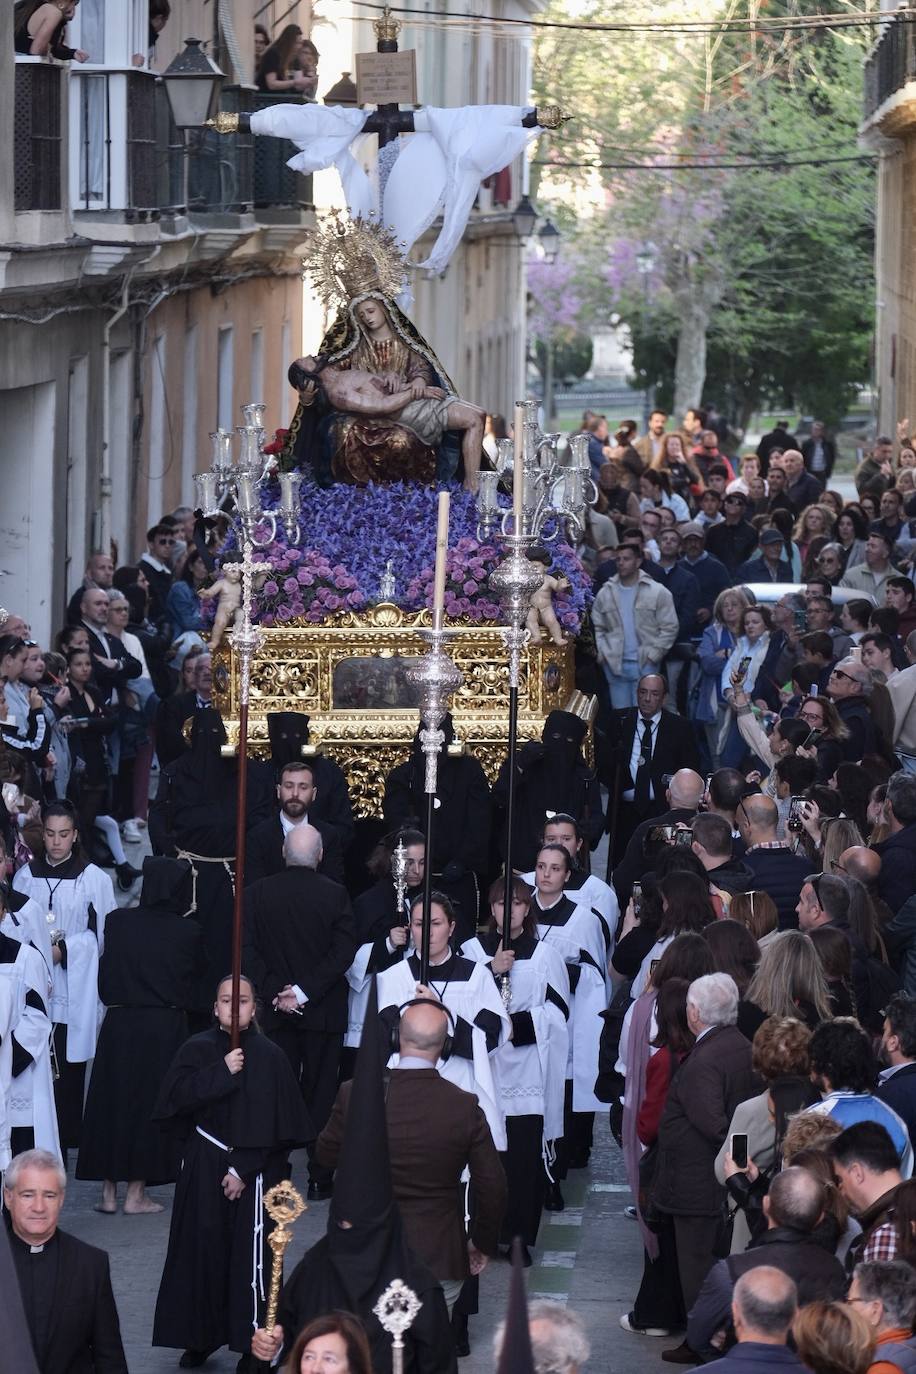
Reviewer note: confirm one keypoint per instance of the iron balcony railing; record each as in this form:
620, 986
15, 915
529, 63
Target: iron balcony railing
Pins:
37, 153
891, 63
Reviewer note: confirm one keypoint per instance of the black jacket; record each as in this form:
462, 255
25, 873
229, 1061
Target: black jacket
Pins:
299, 929
805, 492
829, 447
899, 1092
674, 748
706, 1088
817, 1273
264, 851
634, 862
899, 937
731, 544
84, 1335
732, 876
897, 879
781, 873
108, 679
685, 592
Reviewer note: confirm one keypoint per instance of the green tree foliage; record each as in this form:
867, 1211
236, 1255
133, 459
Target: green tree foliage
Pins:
759, 288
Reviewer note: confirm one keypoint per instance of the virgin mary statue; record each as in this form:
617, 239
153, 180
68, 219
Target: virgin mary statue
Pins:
358, 267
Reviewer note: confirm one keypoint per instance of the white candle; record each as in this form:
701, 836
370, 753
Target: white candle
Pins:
441, 551
518, 465
245, 496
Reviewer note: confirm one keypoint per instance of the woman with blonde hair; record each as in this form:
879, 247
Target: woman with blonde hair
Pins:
680, 468
833, 1338
789, 981
716, 646
816, 521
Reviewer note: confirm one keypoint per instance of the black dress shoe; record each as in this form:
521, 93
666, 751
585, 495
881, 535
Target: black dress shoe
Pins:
578, 1159
460, 1334
681, 1354
553, 1198
320, 1192
127, 876
193, 1359
526, 1256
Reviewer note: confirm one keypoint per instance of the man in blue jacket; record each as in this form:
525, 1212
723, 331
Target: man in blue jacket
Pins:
897, 881
763, 1308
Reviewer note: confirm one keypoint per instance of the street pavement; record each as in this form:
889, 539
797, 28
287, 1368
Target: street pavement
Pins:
588, 1255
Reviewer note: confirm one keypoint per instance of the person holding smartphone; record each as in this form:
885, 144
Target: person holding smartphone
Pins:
747, 668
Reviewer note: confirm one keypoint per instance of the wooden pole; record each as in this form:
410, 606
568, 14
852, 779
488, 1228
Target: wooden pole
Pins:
241, 796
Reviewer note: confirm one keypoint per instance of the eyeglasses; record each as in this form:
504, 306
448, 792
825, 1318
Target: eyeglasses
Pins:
734, 500
710, 448
837, 672
838, 867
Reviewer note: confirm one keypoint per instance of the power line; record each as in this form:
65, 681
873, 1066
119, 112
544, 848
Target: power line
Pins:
741, 24
768, 165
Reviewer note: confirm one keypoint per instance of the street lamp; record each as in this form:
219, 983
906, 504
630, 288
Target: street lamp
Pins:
524, 218
549, 240
192, 83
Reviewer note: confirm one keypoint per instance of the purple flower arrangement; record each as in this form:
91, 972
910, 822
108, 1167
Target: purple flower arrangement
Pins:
349, 534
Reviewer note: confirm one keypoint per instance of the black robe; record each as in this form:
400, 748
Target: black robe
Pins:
549, 781
195, 812
205, 1297
147, 979
321, 1282
375, 912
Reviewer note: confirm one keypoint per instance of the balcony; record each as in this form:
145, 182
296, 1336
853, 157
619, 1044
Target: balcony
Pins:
891, 65
37, 136
276, 186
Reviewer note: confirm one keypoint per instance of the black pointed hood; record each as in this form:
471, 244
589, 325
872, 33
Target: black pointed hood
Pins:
287, 732
516, 1356
371, 1250
168, 885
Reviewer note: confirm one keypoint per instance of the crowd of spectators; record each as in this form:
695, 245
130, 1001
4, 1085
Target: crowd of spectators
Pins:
87, 719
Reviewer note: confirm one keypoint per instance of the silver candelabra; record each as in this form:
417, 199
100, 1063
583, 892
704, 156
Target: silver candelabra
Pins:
555, 494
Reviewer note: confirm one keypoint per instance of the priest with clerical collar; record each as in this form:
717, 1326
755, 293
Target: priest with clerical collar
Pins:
65, 1284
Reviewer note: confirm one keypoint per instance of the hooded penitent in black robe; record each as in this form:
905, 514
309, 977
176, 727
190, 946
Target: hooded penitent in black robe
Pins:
147, 979
461, 841
288, 731
195, 814
350, 1269
552, 776
215, 1280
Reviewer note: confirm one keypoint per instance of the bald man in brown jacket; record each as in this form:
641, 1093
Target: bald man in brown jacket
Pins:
435, 1131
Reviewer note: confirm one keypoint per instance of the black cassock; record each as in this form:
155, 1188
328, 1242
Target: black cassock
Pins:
321, 1282
217, 1270
461, 842
147, 979
194, 814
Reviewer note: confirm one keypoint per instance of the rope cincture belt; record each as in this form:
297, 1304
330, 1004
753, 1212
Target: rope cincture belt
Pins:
228, 863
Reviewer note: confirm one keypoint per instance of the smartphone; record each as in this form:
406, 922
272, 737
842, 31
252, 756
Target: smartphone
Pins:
794, 821
800, 620
813, 690
653, 966
683, 838
637, 897
813, 737
739, 1149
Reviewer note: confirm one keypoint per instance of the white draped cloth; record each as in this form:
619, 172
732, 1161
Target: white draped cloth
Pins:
438, 171
74, 996
30, 1098
580, 941
530, 1078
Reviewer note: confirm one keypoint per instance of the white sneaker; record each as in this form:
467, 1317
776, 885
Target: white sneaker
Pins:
626, 1321
130, 832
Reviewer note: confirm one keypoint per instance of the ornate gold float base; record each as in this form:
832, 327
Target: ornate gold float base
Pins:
348, 676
